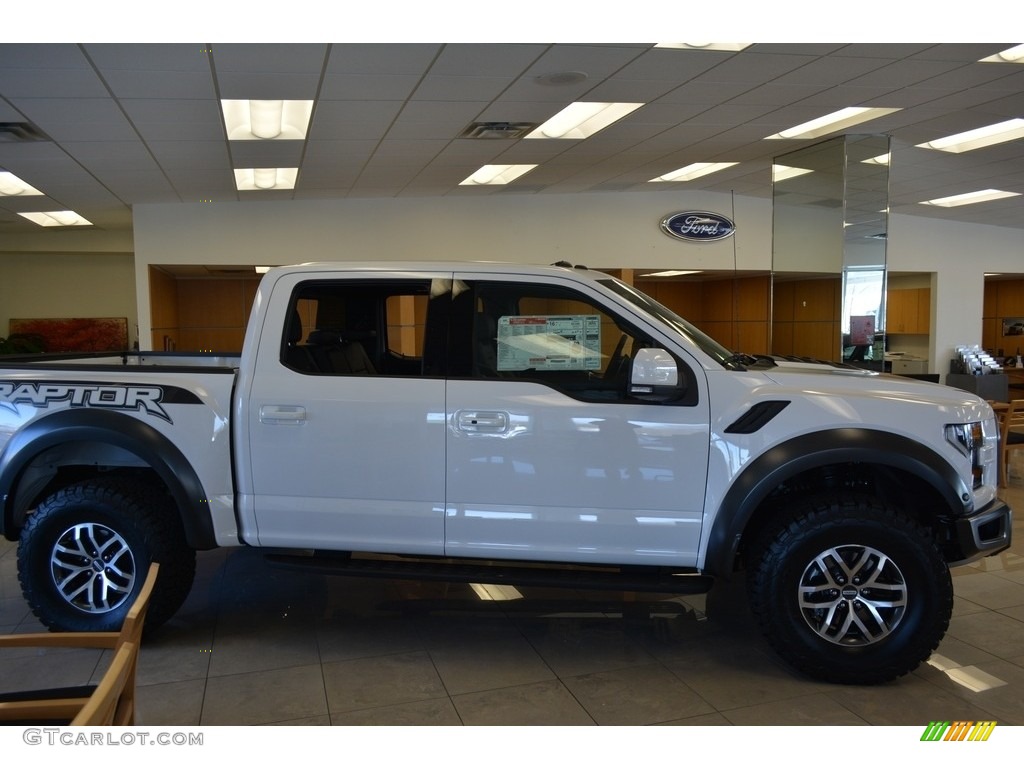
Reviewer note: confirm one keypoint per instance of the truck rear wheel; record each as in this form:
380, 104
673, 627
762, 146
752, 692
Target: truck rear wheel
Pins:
849, 591
84, 553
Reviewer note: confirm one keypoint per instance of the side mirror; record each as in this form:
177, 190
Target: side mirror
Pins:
654, 376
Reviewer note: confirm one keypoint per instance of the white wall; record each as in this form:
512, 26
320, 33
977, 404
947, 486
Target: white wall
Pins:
601, 230
959, 255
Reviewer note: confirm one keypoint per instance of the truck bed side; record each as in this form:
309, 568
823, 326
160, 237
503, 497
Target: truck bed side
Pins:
86, 416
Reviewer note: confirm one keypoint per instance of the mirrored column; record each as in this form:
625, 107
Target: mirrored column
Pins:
830, 216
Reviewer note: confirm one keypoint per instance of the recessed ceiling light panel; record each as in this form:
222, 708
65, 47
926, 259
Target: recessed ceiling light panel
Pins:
783, 172
968, 198
835, 121
673, 273
582, 119
705, 46
1013, 55
249, 179
693, 171
57, 219
997, 133
266, 119
12, 186
496, 174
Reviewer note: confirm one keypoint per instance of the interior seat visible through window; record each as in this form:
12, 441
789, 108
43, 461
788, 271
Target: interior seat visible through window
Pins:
334, 354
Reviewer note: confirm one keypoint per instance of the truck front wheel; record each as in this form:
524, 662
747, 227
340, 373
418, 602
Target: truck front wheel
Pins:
849, 591
84, 553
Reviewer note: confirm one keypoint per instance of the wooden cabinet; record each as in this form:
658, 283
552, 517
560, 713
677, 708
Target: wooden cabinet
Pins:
908, 310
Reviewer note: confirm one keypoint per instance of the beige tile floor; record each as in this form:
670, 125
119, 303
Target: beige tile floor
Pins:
255, 645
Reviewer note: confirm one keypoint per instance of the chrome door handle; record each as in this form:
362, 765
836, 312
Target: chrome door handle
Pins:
486, 422
282, 414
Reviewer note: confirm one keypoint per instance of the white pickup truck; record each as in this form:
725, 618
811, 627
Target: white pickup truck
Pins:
504, 424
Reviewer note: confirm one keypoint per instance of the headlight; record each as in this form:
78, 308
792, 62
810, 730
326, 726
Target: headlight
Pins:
969, 439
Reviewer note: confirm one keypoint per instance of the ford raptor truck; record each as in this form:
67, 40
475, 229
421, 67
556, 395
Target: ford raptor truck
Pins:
504, 424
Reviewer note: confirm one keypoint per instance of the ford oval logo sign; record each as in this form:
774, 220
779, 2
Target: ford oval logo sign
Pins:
697, 225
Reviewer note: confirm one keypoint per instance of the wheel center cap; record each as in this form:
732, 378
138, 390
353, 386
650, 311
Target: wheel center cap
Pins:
98, 565
849, 593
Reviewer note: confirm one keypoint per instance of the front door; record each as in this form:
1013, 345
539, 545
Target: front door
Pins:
547, 457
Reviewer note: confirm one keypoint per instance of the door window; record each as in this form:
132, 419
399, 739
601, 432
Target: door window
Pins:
366, 328
548, 334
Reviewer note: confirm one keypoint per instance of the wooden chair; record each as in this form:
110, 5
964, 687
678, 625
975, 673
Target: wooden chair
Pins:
1011, 437
112, 700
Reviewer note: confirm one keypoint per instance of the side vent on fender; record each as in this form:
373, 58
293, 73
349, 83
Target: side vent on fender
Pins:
759, 415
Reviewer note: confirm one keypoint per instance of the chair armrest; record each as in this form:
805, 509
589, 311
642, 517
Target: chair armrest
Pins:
41, 710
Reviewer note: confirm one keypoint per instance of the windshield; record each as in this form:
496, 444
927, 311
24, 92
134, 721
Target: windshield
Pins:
690, 332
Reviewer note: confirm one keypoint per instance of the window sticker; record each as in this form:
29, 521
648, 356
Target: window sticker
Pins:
549, 342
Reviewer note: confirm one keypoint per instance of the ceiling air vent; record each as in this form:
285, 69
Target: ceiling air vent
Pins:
497, 130
21, 132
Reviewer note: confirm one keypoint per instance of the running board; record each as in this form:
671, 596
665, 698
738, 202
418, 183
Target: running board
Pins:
628, 580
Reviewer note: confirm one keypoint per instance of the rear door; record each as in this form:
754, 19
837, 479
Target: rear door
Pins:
346, 417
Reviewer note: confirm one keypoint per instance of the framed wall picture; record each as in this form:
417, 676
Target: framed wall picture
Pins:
75, 334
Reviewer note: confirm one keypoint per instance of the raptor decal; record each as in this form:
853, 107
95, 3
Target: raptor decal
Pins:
122, 397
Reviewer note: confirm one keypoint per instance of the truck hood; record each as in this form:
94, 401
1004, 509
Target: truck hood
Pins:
818, 376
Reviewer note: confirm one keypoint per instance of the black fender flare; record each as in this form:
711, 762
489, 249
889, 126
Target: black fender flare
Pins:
820, 449
121, 431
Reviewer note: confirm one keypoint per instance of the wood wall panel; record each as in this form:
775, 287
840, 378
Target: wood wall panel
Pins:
163, 302
816, 300
752, 338
733, 311
210, 339
717, 301
782, 338
190, 315
782, 303
805, 318
753, 297
1004, 300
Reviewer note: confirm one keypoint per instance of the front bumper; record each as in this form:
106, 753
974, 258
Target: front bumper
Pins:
984, 532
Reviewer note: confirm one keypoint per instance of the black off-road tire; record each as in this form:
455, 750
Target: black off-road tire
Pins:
801, 583
84, 552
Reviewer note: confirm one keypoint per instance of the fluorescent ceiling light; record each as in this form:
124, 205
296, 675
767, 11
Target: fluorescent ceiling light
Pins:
877, 160
582, 119
57, 219
968, 198
783, 172
1008, 130
263, 119
265, 178
705, 46
693, 171
835, 121
673, 273
1013, 55
12, 186
496, 174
